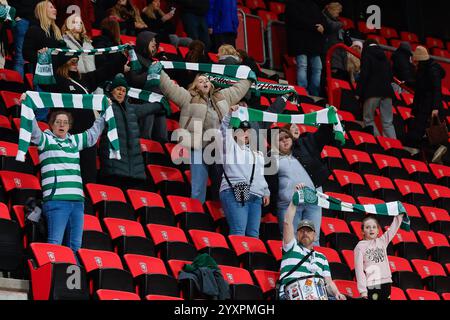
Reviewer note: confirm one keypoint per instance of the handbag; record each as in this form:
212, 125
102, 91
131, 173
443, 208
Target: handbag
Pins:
241, 190
278, 284
437, 133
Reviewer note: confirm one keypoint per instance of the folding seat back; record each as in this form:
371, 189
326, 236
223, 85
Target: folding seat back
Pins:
20, 186
397, 294
426, 268
349, 258
389, 33
11, 80
8, 152
255, 4
139, 265
437, 192
266, 17
105, 270
171, 243
409, 36
10, 103
252, 253
348, 288
104, 294
243, 245
412, 192
190, 214
150, 208
441, 172
416, 294
333, 225
275, 248
398, 264
378, 182
267, 280
433, 239
168, 180
52, 270
179, 155
93, 236
384, 161
346, 178
203, 239
109, 201
329, 253
348, 23
176, 266
380, 39
355, 156
168, 48
153, 152
403, 236
241, 283
277, 7
437, 218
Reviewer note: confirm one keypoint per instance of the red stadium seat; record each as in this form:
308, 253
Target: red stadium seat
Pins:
190, 214
275, 248
427, 268
8, 152
266, 280
109, 201
329, 253
167, 48
333, 157
393, 146
171, 243
252, 253
337, 234
441, 172
381, 40
390, 166
150, 208
433, 239
412, 192
439, 194
10, 104
215, 245
93, 236
352, 183
383, 188
105, 271
365, 141
397, 294
277, 7
438, 219
418, 171
255, 28
434, 43
348, 288
20, 186
150, 276
168, 180
398, 264
348, 23
178, 154
255, 4
104, 294
49, 267
349, 258
389, 33
215, 210
415, 294
267, 16
153, 152
11, 80
241, 284
128, 237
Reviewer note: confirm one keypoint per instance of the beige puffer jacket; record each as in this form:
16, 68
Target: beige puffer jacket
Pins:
196, 116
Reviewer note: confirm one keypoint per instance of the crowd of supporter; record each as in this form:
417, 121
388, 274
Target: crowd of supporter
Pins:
211, 26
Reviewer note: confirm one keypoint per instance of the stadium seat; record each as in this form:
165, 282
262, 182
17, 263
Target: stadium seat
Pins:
8, 162
446, 296
418, 171
104, 294
275, 248
150, 208
93, 236
18, 187
348, 288
105, 271
403, 275
433, 275
360, 161
241, 284
347, 216
439, 194
11, 80
153, 152
352, 183
169, 181
349, 258
189, 213
383, 188
409, 36
171, 243
11, 245
109, 202
412, 192
415, 294
167, 48
266, 280
390, 166
179, 156
215, 210
366, 142
393, 147
266, 17
347, 23
215, 245
255, 4
150, 276
252, 253
389, 33
334, 159
441, 172
337, 234
128, 237
10, 103
397, 294
52, 267
269, 228
433, 239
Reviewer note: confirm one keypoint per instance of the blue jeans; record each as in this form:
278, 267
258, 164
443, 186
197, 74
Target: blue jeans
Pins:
315, 65
304, 212
199, 177
19, 31
65, 222
196, 28
243, 220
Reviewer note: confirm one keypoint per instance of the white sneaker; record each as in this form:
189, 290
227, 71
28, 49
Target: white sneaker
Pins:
440, 152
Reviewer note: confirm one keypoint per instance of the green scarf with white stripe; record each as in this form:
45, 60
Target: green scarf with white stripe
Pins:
7, 13
310, 196
325, 116
39, 100
236, 71
44, 66
149, 97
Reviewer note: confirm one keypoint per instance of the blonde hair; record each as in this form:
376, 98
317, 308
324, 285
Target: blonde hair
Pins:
227, 50
65, 28
64, 70
193, 86
40, 12
334, 6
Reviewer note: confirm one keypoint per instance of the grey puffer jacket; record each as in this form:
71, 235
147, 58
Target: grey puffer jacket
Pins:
131, 164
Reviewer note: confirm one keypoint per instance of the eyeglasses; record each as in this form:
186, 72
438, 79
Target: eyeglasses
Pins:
60, 122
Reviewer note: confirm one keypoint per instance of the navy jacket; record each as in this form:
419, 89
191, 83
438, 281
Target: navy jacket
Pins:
222, 16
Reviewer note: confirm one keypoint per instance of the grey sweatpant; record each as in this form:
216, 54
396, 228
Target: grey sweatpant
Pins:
385, 104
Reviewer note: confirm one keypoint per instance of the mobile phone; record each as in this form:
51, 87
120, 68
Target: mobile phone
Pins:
173, 9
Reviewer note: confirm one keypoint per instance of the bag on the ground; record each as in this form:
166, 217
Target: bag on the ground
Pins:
437, 133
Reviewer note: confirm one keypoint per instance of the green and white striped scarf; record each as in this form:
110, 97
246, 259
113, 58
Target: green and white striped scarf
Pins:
149, 97
325, 116
221, 81
236, 71
310, 196
39, 100
44, 66
7, 13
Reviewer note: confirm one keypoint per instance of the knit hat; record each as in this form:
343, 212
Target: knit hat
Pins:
119, 81
421, 54
357, 44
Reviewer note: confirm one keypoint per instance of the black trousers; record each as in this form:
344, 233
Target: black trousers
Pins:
382, 292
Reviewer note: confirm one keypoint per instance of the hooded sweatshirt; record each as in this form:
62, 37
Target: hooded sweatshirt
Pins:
402, 66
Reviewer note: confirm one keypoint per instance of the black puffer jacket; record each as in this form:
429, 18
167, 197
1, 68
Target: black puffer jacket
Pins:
131, 164
36, 39
428, 90
402, 67
105, 40
376, 74
197, 7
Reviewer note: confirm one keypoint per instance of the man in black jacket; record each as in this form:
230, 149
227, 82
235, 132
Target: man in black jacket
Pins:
305, 27
24, 14
375, 88
194, 13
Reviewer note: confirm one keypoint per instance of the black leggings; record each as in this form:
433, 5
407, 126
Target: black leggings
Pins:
380, 292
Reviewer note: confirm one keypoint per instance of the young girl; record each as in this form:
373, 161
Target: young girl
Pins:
371, 264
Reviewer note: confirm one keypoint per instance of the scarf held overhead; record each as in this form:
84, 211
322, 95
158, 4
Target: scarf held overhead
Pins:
310, 196
7, 13
325, 116
148, 96
44, 67
39, 100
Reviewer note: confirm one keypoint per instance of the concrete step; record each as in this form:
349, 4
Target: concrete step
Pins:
14, 289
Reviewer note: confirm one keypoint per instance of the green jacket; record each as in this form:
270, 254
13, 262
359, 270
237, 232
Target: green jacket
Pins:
131, 164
